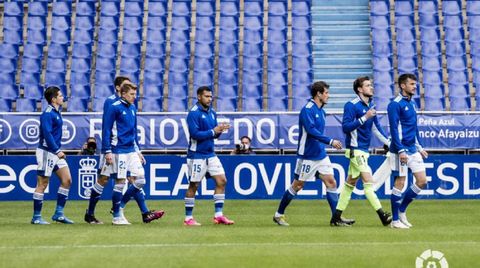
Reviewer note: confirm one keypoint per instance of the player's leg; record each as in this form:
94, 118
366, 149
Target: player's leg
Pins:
418, 168
65, 177
95, 195
396, 196
120, 168
42, 183
385, 217
197, 168
216, 171
303, 171
343, 200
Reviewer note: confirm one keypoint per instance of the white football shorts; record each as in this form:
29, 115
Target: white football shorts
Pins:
306, 170
48, 162
415, 164
198, 168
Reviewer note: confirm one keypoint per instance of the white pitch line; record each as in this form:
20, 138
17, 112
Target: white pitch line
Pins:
180, 245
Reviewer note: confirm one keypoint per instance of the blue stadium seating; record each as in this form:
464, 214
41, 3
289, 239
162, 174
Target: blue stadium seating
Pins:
9, 51
80, 91
158, 23
403, 8
61, 23
13, 8
6, 105
428, 21
80, 78
457, 77
473, 8
7, 78
110, 9
432, 64
9, 91
382, 64
77, 105
181, 9
434, 78
226, 104
458, 90
452, 22
155, 50
177, 104
456, 63
26, 105
301, 7
252, 90
109, 23
378, 22
152, 105
103, 91
276, 78
459, 103
455, 48
431, 49
407, 49
31, 65
157, 9
178, 64
427, 7
253, 8
97, 104
277, 104
434, 90
226, 90
229, 8
104, 78
55, 78
62, 8
36, 23
252, 104
8, 65
133, 8
60, 37
474, 22
85, 23
454, 35
227, 77
381, 49
206, 8
451, 8
85, 8
56, 65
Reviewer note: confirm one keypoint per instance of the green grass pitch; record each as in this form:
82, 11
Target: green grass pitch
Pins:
451, 227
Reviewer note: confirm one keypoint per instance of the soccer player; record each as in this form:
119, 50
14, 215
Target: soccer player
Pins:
201, 158
406, 151
50, 158
359, 121
312, 161
106, 171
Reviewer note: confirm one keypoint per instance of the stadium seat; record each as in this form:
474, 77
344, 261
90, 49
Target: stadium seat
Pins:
32, 65
55, 78
382, 64
132, 36
9, 91
432, 64
83, 36
80, 77
384, 77
77, 105
474, 22
12, 36
299, 102
277, 8
301, 23
384, 90
36, 23
177, 104
180, 9
277, 50
227, 77
406, 49
277, 23
404, 22
81, 65
26, 105
437, 90
451, 8
156, 36
277, 104
202, 78
457, 77
157, 23
178, 64
97, 104
379, 8
252, 104
110, 9
178, 78
431, 49
301, 64
434, 78
9, 51
131, 50
180, 50
38, 8
427, 7
381, 102
57, 51
155, 50
379, 22
204, 64
152, 104
104, 78
459, 103
253, 36
473, 8
151, 90
157, 9
277, 78
253, 8
456, 63
85, 23
226, 104
228, 49
301, 8
452, 21
6, 105
34, 91
428, 21
406, 35
108, 36
154, 64
133, 9
103, 91
229, 36
61, 23
133, 23
252, 78
80, 91
206, 9
60, 37
7, 78
8, 65
252, 91
253, 23
109, 23
85, 8
458, 90
226, 90
454, 35
82, 50
36, 37
403, 8
12, 23
455, 49
301, 49
381, 49
229, 9
13, 8
302, 78
204, 50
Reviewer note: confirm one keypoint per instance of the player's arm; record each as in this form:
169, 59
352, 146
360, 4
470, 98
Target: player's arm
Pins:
47, 122
350, 121
107, 126
194, 128
419, 146
378, 132
308, 121
394, 120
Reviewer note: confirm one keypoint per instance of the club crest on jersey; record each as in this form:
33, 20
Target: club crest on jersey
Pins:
87, 176
316, 116
124, 113
203, 116
406, 108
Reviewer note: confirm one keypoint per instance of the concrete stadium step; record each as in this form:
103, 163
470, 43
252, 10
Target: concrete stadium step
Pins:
348, 31
334, 46
358, 62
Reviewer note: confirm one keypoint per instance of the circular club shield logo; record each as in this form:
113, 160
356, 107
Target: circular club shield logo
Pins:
68, 131
431, 259
5, 131
30, 131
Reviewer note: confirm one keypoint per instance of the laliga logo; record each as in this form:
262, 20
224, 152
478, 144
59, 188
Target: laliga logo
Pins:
87, 176
5, 131
68, 131
30, 131
431, 259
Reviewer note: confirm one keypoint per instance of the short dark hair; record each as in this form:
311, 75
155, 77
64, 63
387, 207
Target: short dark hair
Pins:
359, 83
402, 79
120, 79
50, 93
319, 86
246, 137
201, 89
126, 87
